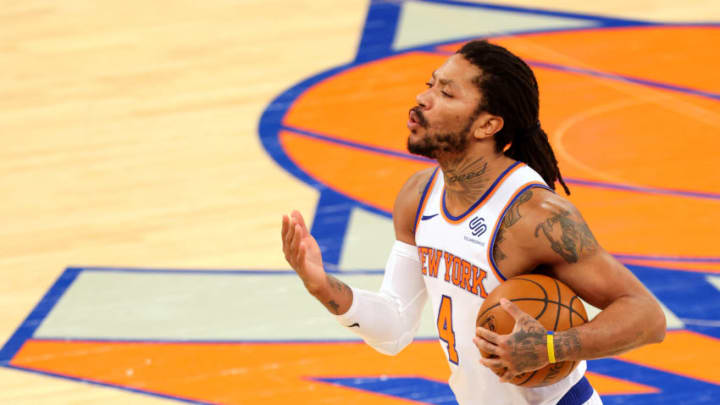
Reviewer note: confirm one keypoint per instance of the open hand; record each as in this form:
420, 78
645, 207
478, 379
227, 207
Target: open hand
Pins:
523, 350
302, 252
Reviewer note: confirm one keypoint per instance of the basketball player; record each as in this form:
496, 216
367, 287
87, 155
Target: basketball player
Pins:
488, 212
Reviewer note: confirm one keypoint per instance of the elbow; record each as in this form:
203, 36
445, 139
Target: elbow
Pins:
660, 332
659, 326
388, 348
392, 347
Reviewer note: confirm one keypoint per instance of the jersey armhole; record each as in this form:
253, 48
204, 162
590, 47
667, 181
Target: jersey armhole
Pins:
491, 259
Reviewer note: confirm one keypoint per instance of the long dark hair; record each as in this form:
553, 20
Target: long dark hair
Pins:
509, 90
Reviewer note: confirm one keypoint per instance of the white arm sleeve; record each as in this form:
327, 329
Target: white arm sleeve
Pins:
387, 320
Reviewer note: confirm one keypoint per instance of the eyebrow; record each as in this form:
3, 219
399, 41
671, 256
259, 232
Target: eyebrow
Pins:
444, 82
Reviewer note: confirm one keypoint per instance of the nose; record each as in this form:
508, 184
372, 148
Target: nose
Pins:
424, 99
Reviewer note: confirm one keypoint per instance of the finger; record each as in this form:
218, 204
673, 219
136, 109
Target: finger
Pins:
488, 335
495, 364
295, 242
485, 346
300, 220
507, 376
290, 231
284, 229
301, 253
511, 308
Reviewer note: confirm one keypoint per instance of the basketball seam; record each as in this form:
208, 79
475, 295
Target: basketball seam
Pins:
546, 299
573, 311
559, 298
529, 378
526, 299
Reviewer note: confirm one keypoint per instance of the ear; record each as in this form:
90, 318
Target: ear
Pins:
487, 125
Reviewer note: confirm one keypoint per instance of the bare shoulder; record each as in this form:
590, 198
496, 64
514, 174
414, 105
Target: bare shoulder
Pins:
546, 228
407, 202
559, 225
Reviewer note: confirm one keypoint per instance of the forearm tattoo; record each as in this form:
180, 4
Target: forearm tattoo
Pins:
567, 344
571, 239
338, 287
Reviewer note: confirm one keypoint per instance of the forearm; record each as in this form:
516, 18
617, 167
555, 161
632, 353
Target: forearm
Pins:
627, 323
387, 320
335, 295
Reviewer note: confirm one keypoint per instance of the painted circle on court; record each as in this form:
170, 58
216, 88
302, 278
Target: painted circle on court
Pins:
629, 107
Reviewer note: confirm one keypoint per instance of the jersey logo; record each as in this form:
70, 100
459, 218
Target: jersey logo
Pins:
426, 217
478, 227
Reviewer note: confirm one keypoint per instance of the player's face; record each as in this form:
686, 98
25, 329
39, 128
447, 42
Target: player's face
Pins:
447, 110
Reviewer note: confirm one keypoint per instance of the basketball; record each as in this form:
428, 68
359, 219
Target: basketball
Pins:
548, 300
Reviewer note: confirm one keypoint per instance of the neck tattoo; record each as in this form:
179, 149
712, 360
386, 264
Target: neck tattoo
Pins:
467, 175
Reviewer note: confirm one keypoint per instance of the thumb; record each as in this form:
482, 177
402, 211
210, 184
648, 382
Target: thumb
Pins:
511, 308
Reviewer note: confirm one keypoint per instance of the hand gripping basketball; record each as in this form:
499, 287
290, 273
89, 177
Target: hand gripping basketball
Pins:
512, 328
523, 350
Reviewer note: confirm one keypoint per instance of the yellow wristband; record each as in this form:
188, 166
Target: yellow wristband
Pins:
550, 346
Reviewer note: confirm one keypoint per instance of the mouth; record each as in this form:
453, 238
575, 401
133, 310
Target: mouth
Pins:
414, 120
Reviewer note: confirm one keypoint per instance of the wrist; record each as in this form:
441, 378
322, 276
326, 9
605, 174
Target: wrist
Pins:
317, 288
566, 345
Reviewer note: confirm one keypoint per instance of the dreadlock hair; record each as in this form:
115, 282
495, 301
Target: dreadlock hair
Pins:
509, 90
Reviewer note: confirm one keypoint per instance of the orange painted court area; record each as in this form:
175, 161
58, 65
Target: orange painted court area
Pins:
643, 136
157, 145
274, 373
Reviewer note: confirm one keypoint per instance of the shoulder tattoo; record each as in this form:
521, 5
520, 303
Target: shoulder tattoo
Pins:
512, 216
568, 234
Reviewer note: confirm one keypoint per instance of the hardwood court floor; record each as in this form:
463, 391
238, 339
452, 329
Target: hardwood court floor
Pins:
132, 141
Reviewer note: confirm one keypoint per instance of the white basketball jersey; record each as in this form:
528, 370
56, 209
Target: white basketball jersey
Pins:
459, 272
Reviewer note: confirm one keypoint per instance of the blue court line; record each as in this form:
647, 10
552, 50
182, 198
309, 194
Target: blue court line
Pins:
211, 341
206, 341
668, 258
628, 79
607, 21
378, 30
110, 385
332, 218
580, 182
643, 189
211, 272
34, 319
356, 145
606, 75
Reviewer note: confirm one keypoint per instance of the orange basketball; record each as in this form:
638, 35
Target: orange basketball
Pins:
548, 300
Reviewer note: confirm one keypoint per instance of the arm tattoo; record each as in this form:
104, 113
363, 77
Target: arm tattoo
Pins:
511, 218
340, 288
571, 240
498, 254
567, 344
338, 285
335, 307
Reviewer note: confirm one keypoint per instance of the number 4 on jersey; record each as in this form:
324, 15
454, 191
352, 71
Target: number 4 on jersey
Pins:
445, 328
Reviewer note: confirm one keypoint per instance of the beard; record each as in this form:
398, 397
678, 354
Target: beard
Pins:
432, 143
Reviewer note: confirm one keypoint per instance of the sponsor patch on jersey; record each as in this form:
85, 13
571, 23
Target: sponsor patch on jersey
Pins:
477, 226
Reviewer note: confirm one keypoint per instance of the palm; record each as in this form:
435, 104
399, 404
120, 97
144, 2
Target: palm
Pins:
313, 264
302, 251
